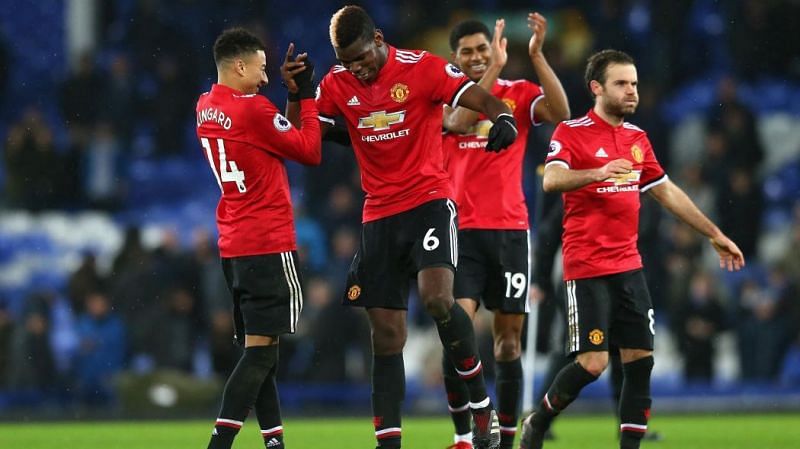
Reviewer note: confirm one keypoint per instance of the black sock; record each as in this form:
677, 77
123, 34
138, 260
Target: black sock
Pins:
458, 338
241, 392
508, 388
268, 412
634, 402
457, 398
388, 391
567, 385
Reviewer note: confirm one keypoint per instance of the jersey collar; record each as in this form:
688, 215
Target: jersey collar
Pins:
599, 121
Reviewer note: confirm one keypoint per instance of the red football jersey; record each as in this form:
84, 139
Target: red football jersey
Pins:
488, 186
395, 124
245, 140
601, 220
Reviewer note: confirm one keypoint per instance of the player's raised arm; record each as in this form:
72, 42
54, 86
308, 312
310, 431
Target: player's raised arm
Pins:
291, 67
555, 106
675, 200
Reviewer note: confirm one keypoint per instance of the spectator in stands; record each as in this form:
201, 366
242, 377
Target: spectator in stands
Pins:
83, 281
32, 166
121, 100
79, 107
737, 123
101, 352
702, 318
739, 208
331, 341
214, 297
102, 169
178, 331
32, 363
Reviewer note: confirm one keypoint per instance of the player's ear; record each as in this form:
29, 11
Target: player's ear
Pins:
378, 37
595, 87
240, 66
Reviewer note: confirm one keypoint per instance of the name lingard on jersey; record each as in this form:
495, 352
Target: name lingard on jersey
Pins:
214, 115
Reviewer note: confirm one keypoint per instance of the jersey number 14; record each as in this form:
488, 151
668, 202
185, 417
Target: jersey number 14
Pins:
228, 171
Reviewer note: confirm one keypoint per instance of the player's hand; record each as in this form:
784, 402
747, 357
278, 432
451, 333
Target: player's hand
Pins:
503, 133
499, 44
538, 25
614, 169
292, 65
306, 87
730, 256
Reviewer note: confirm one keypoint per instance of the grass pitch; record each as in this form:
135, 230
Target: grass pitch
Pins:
757, 431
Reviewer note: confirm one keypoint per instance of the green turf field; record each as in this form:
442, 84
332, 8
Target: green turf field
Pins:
777, 431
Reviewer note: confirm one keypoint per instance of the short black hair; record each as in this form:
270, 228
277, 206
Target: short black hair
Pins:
234, 42
351, 24
597, 64
467, 28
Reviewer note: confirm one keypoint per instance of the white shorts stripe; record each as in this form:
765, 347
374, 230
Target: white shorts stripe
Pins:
295, 290
572, 317
453, 233
528, 279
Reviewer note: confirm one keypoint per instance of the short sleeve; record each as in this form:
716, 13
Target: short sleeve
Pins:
652, 172
533, 94
560, 151
325, 104
448, 82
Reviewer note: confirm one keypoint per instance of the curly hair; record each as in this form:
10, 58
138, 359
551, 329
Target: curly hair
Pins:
234, 42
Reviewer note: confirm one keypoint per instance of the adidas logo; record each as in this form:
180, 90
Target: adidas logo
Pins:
601, 153
353, 101
273, 442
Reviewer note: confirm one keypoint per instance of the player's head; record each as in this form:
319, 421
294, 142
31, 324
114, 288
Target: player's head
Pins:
612, 82
471, 48
241, 61
358, 45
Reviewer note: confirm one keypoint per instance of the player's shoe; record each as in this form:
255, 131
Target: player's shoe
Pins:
460, 445
530, 438
485, 429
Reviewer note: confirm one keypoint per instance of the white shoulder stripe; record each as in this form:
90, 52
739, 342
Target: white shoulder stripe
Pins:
582, 122
410, 54
631, 126
577, 120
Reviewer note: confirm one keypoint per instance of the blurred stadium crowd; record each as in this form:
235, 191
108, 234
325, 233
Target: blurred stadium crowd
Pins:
108, 262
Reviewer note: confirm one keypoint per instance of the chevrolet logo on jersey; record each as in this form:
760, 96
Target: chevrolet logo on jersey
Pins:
380, 120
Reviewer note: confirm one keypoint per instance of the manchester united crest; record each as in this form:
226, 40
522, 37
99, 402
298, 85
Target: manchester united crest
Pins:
596, 337
353, 293
510, 103
399, 92
637, 154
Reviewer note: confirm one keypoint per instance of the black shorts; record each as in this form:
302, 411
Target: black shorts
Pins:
394, 249
494, 268
267, 293
614, 309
